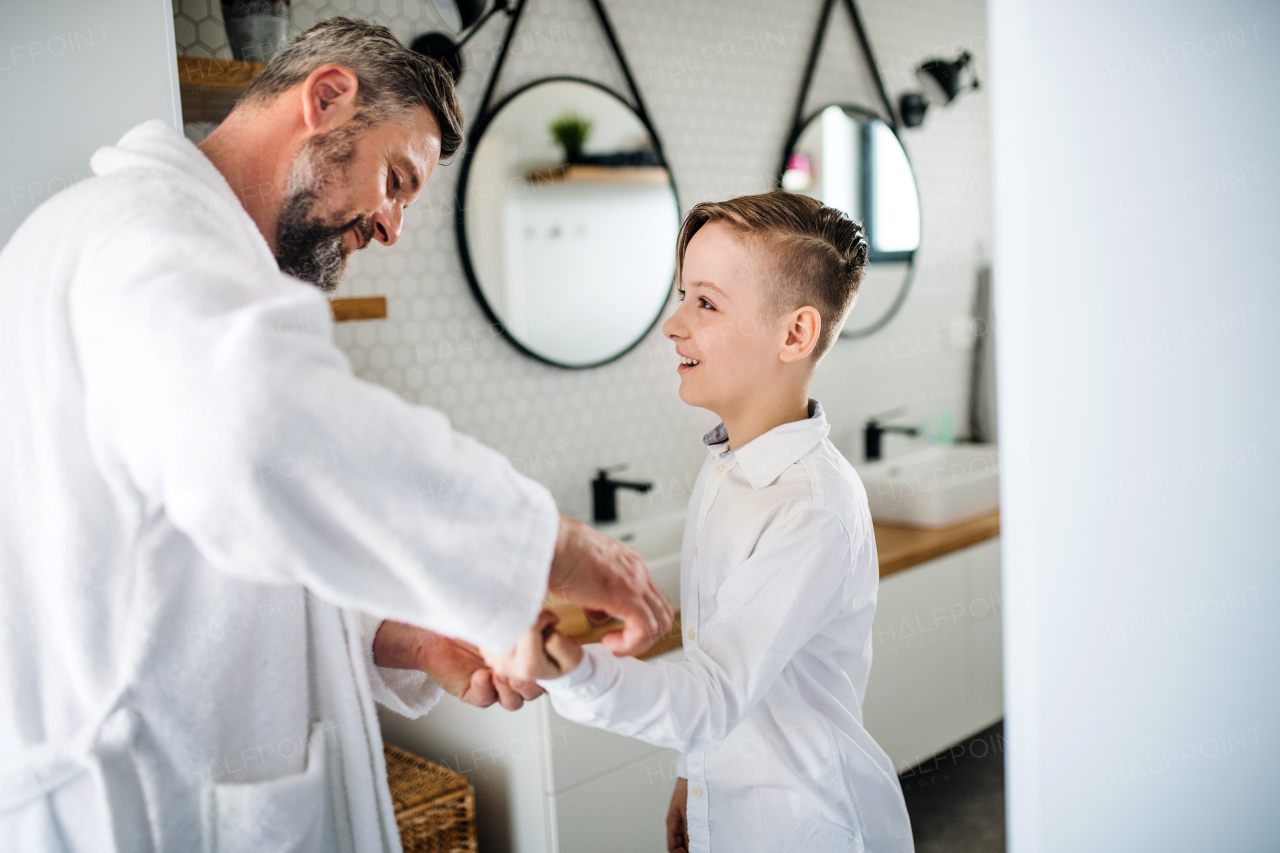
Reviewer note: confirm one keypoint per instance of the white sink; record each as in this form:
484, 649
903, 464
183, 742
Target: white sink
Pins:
934, 487
658, 540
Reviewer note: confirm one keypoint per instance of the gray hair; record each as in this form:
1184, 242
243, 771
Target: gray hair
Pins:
394, 80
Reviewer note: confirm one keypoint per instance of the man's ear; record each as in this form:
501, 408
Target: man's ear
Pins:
329, 97
804, 325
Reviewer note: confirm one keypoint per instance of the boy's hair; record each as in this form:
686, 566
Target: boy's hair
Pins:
394, 80
818, 254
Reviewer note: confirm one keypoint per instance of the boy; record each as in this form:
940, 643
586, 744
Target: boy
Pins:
778, 571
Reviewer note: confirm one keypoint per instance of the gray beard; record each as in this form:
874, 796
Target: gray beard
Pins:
307, 246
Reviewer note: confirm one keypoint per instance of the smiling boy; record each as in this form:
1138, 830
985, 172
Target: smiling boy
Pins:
778, 567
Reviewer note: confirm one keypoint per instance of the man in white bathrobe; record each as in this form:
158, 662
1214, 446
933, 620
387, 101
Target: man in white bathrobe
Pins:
205, 518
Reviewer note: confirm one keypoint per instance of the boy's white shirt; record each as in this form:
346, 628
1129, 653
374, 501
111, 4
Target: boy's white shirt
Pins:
778, 588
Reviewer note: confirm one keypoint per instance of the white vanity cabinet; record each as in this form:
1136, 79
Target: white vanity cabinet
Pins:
936, 665
546, 784
606, 792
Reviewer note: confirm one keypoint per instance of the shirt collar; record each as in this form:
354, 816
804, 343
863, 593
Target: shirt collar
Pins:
766, 456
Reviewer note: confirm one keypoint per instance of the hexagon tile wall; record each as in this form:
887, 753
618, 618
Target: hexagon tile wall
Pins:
719, 78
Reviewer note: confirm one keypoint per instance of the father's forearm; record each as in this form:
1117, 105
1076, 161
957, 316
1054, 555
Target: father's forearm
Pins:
454, 665
398, 646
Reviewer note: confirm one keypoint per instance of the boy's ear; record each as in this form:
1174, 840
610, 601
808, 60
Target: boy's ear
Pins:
804, 325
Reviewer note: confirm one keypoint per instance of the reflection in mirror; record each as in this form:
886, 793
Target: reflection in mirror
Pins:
849, 159
568, 223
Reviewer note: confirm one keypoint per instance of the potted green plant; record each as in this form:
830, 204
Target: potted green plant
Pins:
570, 131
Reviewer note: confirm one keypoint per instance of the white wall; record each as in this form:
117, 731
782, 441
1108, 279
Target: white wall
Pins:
1139, 368
74, 76
720, 79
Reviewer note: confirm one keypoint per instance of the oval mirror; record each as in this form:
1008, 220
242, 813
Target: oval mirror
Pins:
849, 159
567, 221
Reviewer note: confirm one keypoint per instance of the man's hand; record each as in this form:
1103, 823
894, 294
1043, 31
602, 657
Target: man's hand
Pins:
456, 666
608, 578
677, 823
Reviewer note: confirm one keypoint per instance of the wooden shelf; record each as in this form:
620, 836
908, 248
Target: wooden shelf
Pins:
359, 308
904, 547
644, 175
210, 88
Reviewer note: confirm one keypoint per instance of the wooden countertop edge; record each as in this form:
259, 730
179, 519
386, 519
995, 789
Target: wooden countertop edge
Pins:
902, 548
671, 641
592, 634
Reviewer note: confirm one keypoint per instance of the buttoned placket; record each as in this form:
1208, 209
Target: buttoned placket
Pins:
726, 462
697, 809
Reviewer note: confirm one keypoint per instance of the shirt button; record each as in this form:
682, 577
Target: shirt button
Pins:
719, 470
690, 633
696, 791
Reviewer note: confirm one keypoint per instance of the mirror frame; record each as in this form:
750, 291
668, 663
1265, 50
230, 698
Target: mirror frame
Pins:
873, 256
888, 117
460, 221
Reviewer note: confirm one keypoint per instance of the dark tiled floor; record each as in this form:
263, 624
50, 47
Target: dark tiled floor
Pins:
956, 798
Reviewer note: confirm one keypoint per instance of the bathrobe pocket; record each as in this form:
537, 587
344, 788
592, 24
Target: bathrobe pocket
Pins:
289, 814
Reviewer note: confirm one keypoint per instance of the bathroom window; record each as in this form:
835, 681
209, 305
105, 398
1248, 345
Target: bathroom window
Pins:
894, 226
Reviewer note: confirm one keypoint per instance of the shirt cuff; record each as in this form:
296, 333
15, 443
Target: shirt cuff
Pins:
682, 766
588, 679
408, 692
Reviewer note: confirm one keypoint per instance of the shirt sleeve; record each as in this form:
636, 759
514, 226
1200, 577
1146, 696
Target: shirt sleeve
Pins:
215, 395
795, 582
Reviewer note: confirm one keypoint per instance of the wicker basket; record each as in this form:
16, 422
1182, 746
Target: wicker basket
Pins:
435, 807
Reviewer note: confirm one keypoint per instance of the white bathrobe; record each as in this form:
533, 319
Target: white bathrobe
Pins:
198, 504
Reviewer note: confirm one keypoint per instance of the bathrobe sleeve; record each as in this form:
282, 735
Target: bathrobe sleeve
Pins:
215, 395
794, 583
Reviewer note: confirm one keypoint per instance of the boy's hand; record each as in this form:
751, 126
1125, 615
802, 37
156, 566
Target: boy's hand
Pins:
565, 652
677, 827
541, 653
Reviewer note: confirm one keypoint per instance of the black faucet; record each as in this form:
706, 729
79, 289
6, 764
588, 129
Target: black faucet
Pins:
874, 431
605, 492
